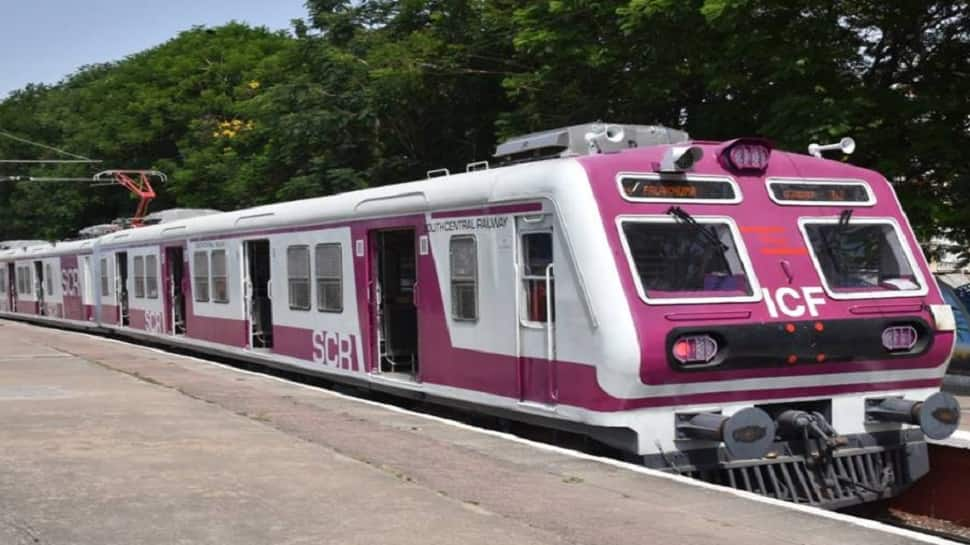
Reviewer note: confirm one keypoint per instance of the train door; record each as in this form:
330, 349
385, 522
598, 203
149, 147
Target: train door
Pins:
537, 311
121, 287
39, 287
175, 277
258, 292
11, 287
394, 311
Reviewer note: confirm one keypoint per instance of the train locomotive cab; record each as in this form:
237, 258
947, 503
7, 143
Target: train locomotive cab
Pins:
791, 338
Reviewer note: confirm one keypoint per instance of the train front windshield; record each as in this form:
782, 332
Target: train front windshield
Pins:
861, 257
680, 260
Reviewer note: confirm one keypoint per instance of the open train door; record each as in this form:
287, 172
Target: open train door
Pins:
397, 256
121, 287
257, 267
537, 312
11, 287
39, 287
175, 288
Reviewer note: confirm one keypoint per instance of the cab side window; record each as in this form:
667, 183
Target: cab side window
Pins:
537, 277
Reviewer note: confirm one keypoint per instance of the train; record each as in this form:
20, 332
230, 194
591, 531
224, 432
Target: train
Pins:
724, 310
955, 288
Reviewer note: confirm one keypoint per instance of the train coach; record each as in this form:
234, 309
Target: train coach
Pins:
752, 317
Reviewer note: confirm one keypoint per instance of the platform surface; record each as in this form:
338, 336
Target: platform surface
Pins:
106, 443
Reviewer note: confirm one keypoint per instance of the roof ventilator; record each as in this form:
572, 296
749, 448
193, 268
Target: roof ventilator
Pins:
476, 166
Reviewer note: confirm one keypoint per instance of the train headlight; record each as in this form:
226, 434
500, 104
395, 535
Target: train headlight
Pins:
694, 349
899, 338
745, 154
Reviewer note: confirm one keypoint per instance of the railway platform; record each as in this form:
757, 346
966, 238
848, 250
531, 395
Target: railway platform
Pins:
103, 442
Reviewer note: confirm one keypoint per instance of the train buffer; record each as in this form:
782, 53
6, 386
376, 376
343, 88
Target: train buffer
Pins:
104, 442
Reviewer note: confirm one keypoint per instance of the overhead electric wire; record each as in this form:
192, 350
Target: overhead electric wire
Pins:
47, 161
77, 158
45, 179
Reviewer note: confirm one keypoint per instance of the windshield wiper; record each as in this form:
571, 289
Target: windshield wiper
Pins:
836, 238
681, 215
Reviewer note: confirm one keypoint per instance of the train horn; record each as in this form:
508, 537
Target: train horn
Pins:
846, 145
611, 133
938, 416
615, 133
747, 434
680, 158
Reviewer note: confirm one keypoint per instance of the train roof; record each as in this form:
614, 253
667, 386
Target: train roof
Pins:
464, 190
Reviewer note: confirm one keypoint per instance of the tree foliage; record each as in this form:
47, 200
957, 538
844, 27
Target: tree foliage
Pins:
373, 92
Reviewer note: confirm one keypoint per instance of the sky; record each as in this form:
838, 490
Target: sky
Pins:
45, 40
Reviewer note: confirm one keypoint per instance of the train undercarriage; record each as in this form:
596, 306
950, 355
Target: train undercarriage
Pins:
795, 455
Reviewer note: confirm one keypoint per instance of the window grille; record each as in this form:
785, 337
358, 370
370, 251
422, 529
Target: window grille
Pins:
298, 275
329, 276
464, 278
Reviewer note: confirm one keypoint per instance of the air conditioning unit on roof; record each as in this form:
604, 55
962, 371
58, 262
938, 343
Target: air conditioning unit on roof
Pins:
585, 139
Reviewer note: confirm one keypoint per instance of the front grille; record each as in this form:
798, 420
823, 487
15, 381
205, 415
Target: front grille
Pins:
850, 477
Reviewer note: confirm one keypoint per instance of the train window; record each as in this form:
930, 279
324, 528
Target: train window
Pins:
87, 284
298, 274
48, 279
862, 257
694, 189
200, 276
139, 277
151, 277
692, 261
329, 275
105, 284
3, 278
220, 284
537, 277
464, 278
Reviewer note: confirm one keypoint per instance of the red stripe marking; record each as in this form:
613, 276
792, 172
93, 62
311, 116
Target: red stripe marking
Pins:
784, 251
762, 229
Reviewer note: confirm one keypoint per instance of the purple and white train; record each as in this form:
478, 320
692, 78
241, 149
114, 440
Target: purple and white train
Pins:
748, 316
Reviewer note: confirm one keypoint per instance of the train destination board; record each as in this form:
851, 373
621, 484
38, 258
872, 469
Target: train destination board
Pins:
828, 192
666, 189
